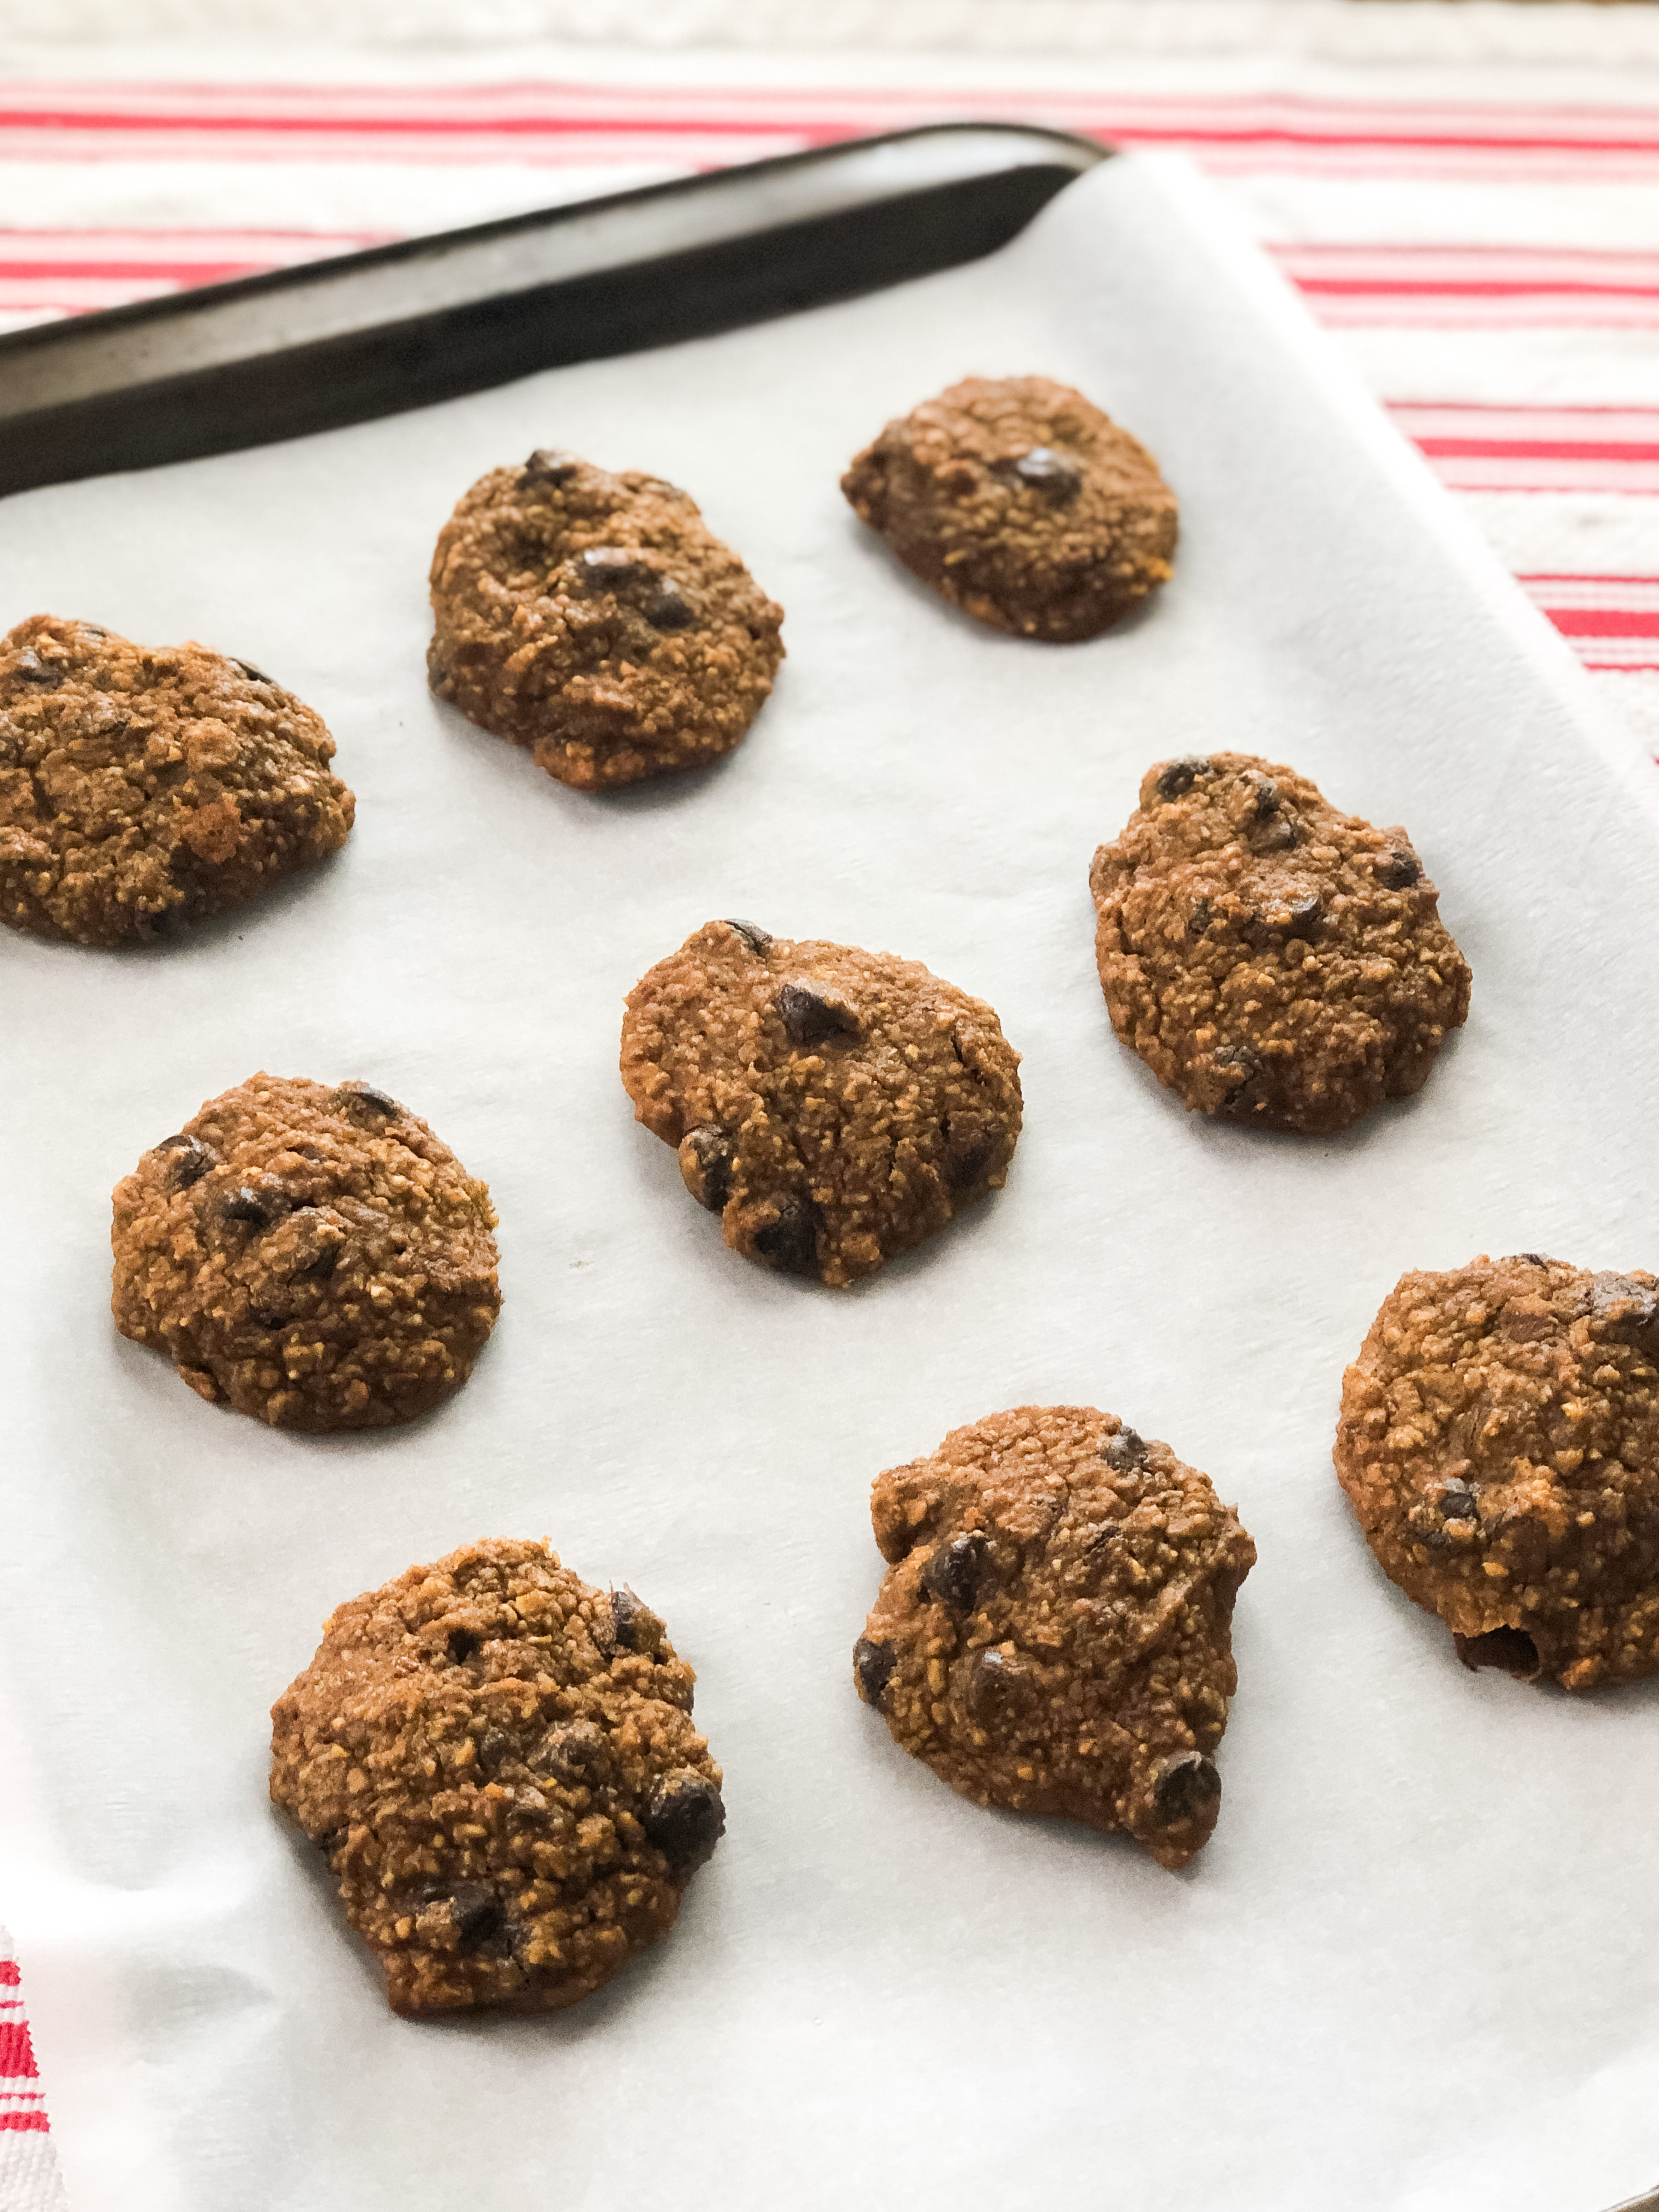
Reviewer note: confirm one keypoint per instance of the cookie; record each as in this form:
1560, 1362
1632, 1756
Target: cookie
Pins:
1270, 959
1499, 1441
1022, 504
498, 1763
833, 1106
597, 619
142, 789
1054, 1633
310, 1254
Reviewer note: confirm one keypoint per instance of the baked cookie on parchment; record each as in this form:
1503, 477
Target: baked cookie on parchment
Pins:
1499, 1442
1054, 1633
498, 1763
309, 1253
833, 1106
597, 620
145, 788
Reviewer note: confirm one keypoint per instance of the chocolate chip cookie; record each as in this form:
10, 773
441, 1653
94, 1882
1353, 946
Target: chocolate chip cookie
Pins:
1022, 504
310, 1254
1499, 1441
142, 789
833, 1106
498, 1763
1270, 959
597, 619
1054, 1634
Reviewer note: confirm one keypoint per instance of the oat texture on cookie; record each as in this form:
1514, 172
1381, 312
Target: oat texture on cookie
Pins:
833, 1106
1054, 1631
498, 1763
144, 787
309, 1253
1499, 1442
597, 620
1022, 503
1270, 959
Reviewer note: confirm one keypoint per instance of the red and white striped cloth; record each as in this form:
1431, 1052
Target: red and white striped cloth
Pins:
1492, 267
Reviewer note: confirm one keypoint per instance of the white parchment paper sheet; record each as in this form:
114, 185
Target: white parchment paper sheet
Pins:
1418, 1965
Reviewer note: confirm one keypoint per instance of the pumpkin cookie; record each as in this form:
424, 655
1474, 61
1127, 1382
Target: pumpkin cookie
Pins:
597, 619
498, 1763
1022, 504
833, 1106
1499, 1441
140, 788
1054, 1633
1269, 958
309, 1253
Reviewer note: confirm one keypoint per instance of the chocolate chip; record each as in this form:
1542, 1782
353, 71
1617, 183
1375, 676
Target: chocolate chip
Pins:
685, 1819
1536, 1259
330, 1843
253, 675
1056, 476
669, 609
1267, 791
1280, 835
1457, 1500
320, 1269
374, 1102
549, 465
1199, 919
705, 1158
790, 1242
258, 1208
604, 567
952, 1574
475, 1912
757, 939
1625, 1309
969, 1146
872, 1666
1306, 917
91, 629
270, 1317
632, 1626
1125, 1450
569, 1752
32, 669
1238, 1066
461, 1644
1186, 1788
995, 1686
189, 1163
494, 1746
1398, 871
1180, 775
1511, 1650
808, 1017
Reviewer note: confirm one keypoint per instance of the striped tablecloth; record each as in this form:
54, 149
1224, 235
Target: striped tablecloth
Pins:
1492, 267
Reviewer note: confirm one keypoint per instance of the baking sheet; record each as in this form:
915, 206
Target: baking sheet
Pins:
1418, 1965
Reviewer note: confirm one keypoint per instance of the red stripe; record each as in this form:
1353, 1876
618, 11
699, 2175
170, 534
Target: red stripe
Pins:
16, 2052
1588, 621
1533, 449
22, 2122
187, 272
1577, 576
1341, 287
10, 1976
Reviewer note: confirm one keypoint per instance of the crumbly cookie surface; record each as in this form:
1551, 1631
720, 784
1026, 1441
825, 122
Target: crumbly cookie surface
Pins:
1499, 1442
597, 619
498, 1763
307, 1253
834, 1107
1022, 504
1270, 959
142, 787
1054, 1634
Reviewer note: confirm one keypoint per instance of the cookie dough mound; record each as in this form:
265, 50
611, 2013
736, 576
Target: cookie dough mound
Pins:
1023, 503
597, 619
1054, 1633
1499, 1441
1270, 959
498, 1763
309, 1253
833, 1106
142, 789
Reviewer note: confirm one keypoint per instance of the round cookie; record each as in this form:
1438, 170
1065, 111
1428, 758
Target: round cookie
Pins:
1054, 1633
597, 619
1270, 959
1499, 1441
833, 1106
1022, 504
309, 1253
141, 787
499, 1765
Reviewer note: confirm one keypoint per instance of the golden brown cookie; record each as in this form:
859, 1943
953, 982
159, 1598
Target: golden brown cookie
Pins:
142, 789
597, 619
1054, 1633
310, 1254
499, 1765
1022, 504
1270, 959
833, 1106
1499, 1441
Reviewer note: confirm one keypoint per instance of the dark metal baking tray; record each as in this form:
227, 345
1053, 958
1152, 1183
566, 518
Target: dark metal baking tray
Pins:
363, 335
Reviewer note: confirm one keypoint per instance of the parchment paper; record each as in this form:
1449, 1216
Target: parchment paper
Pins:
1417, 1967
